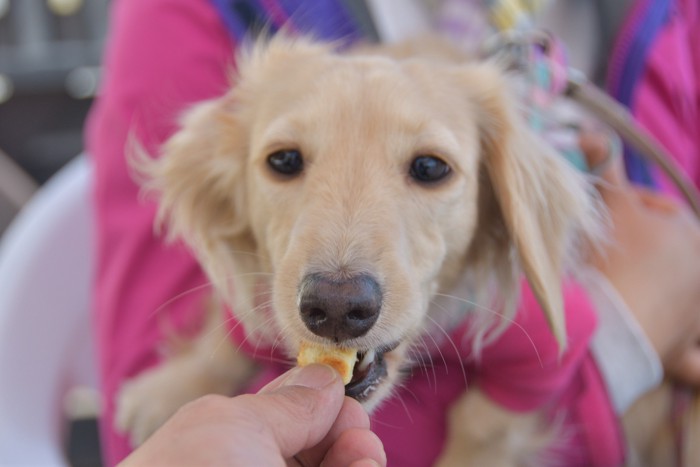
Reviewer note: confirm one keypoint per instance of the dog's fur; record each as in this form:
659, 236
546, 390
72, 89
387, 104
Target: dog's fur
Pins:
510, 205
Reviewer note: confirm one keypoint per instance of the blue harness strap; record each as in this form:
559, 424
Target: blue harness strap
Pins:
324, 19
628, 69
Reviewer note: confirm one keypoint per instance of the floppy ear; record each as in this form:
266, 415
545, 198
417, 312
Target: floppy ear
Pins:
530, 198
200, 188
200, 177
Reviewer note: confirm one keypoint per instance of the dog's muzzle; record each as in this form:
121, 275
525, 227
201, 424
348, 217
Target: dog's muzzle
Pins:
341, 309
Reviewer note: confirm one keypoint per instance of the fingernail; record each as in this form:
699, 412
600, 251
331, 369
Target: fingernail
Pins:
311, 376
365, 463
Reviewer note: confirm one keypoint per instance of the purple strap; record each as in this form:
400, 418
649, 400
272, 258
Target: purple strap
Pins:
324, 19
627, 67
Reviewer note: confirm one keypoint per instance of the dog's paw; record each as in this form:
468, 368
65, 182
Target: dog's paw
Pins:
149, 400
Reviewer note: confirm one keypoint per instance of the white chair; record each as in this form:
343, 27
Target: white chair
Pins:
45, 331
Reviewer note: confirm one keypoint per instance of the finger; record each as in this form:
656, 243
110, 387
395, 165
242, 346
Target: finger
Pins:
356, 447
351, 416
687, 368
603, 158
298, 410
658, 202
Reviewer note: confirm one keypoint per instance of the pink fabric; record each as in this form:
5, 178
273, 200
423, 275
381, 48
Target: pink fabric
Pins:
524, 371
166, 54
151, 74
667, 100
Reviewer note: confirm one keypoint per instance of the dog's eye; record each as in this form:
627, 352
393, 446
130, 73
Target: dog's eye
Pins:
286, 161
428, 169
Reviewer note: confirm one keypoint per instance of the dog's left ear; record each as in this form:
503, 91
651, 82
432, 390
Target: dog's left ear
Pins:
199, 184
531, 199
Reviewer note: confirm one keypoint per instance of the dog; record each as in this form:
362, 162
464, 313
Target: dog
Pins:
353, 189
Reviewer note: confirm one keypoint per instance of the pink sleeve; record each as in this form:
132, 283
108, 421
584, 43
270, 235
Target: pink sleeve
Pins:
161, 56
667, 100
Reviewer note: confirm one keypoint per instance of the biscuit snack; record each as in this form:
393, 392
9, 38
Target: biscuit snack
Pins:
343, 360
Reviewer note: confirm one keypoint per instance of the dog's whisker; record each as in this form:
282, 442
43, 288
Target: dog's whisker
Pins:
252, 332
399, 398
396, 398
280, 337
197, 288
386, 424
436, 345
178, 297
288, 362
416, 357
263, 293
432, 338
240, 317
270, 321
502, 316
227, 336
454, 347
270, 358
470, 302
246, 253
248, 335
229, 317
432, 366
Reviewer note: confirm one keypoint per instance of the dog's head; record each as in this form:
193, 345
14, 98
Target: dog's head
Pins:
359, 186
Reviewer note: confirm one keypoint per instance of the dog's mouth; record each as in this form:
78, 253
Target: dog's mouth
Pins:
369, 372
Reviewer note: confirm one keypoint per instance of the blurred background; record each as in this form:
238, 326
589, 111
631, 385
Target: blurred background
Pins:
50, 54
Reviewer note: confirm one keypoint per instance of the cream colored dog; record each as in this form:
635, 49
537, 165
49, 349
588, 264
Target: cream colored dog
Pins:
354, 188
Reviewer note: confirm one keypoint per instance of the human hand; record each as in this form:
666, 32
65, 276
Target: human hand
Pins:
301, 418
653, 261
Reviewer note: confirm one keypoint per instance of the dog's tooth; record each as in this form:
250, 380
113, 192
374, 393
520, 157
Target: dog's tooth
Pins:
366, 360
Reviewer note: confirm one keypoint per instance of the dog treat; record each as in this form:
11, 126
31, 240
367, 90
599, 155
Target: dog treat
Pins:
343, 360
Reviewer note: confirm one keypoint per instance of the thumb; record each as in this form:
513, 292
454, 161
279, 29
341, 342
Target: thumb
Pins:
298, 409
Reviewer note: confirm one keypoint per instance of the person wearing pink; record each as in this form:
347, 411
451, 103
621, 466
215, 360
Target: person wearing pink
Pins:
152, 74
164, 55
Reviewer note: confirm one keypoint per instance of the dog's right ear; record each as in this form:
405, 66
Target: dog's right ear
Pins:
199, 184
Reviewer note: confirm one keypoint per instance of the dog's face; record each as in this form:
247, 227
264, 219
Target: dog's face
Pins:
355, 188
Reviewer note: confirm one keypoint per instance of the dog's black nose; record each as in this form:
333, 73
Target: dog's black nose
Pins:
339, 309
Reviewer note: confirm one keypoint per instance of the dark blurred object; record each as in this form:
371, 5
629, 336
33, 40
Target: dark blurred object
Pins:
84, 443
50, 55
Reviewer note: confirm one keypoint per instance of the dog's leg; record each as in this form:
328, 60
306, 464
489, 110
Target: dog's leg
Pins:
211, 366
483, 433
691, 452
649, 436
662, 430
